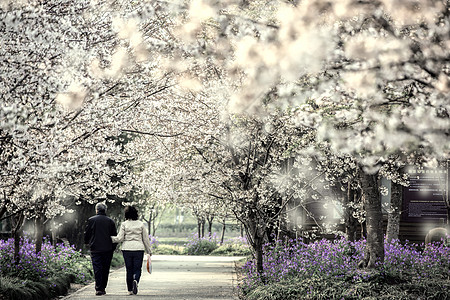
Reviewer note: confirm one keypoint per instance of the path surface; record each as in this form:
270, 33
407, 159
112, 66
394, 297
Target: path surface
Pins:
174, 277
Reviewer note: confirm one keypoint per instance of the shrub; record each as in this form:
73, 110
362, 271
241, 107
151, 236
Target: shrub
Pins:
43, 275
15, 288
30, 266
117, 260
169, 250
200, 246
66, 259
329, 270
376, 286
233, 247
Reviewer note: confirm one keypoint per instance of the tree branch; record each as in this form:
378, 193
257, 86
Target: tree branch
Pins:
152, 133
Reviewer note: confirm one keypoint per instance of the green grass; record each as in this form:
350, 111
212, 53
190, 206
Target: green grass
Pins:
169, 250
176, 246
232, 250
174, 241
379, 287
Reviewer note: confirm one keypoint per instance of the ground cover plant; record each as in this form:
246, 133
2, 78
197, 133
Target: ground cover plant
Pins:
193, 245
200, 245
43, 275
329, 270
167, 246
237, 246
209, 245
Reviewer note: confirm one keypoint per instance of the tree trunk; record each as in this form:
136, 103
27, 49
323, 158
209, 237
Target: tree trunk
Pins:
17, 225
222, 235
364, 230
210, 222
38, 232
154, 227
16, 236
393, 224
2, 212
199, 228
255, 238
259, 257
203, 227
374, 219
150, 222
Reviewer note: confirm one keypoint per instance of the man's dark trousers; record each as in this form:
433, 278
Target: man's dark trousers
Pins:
101, 262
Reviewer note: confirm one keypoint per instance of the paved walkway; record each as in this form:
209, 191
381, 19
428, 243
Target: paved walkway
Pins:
174, 277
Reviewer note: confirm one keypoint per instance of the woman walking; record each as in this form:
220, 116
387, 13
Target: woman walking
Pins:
134, 236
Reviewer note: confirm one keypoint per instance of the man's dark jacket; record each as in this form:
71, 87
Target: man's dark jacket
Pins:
99, 230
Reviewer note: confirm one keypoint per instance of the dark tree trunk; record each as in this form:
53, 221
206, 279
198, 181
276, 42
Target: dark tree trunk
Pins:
16, 234
199, 228
75, 232
203, 227
393, 224
374, 219
39, 232
210, 223
256, 241
255, 231
364, 230
2, 212
259, 257
222, 235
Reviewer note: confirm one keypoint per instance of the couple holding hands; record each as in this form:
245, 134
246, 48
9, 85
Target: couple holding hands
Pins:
102, 238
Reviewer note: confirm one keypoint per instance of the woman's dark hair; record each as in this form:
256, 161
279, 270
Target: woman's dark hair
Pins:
131, 213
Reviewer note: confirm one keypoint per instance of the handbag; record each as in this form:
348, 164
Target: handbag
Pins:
149, 264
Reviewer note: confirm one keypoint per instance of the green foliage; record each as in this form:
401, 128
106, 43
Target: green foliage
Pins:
172, 240
200, 246
328, 270
375, 286
232, 250
168, 250
14, 288
44, 275
117, 260
60, 283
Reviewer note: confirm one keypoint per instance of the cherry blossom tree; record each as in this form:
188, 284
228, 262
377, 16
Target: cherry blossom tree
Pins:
371, 78
222, 96
74, 79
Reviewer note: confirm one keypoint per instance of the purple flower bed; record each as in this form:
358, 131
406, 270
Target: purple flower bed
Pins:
431, 262
339, 259
201, 246
50, 261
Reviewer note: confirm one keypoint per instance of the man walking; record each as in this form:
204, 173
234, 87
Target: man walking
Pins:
97, 235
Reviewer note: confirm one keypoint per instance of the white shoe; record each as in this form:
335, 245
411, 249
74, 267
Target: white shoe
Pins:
130, 293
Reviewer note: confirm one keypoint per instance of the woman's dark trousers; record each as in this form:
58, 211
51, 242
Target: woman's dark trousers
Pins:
101, 261
133, 264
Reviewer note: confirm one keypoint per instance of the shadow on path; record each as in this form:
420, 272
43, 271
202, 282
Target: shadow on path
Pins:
174, 277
